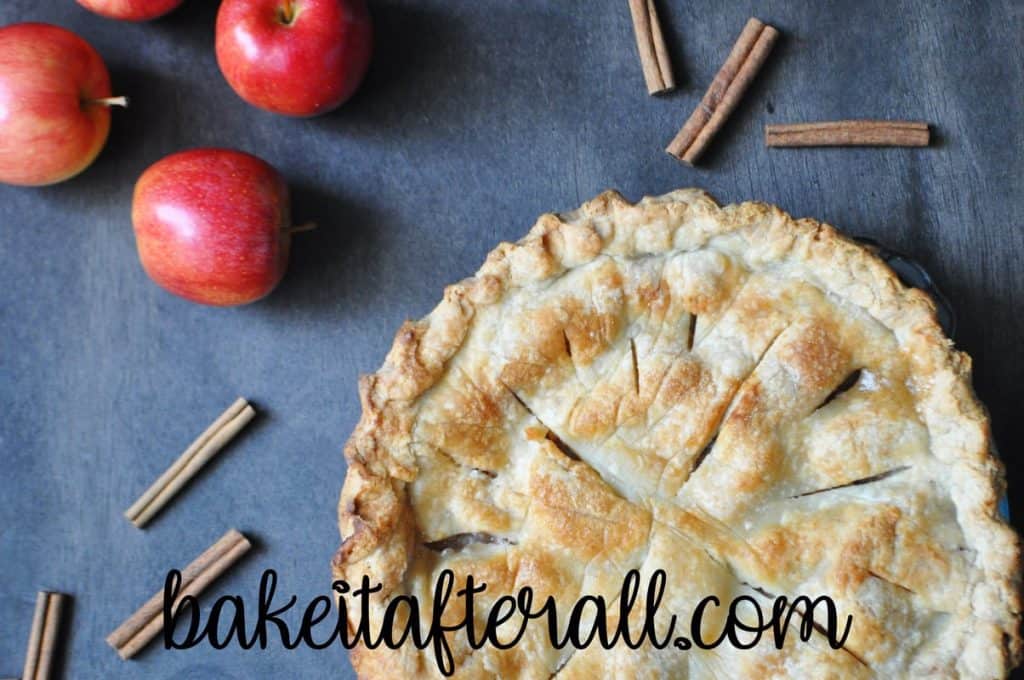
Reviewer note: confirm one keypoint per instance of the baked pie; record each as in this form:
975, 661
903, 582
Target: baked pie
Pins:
752, 403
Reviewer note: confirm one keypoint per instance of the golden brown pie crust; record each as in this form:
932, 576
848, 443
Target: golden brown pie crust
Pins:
753, 403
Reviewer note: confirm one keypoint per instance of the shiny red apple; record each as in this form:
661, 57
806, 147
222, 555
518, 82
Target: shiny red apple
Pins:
294, 57
213, 225
54, 104
130, 10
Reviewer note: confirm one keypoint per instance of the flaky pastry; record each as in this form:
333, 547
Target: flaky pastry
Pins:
752, 403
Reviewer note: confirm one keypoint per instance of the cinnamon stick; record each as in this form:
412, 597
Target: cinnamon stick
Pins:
849, 133
732, 80
42, 641
198, 454
142, 626
650, 43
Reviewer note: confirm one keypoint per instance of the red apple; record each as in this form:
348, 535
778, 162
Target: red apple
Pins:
295, 57
130, 10
213, 225
54, 104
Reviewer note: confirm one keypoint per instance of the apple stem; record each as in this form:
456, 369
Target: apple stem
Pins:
287, 12
307, 226
111, 101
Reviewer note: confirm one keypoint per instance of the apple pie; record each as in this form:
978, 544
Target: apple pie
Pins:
754, 404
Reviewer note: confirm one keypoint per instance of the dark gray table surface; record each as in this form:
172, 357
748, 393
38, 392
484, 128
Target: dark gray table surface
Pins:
477, 116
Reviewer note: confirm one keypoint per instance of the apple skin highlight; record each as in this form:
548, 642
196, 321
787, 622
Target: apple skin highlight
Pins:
51, 126
130, 10
213, 226
294, 57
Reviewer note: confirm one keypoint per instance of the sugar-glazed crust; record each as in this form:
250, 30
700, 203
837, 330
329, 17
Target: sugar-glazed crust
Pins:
753, 403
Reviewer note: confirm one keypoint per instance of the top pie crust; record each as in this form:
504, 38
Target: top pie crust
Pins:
661, 385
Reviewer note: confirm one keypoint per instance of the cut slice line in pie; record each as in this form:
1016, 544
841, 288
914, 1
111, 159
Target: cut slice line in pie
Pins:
752, 403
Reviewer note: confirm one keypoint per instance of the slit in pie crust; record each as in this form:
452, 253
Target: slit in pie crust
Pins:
752, 403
